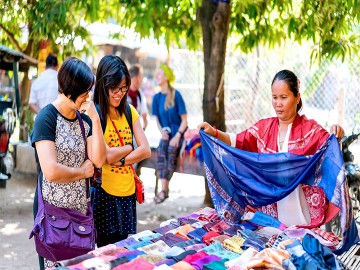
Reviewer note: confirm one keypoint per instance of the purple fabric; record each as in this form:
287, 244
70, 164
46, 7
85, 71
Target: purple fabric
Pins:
209, 225
126, 242
184, 221
165, 229
170, 239
216, 265
232, 231
199, 264
187, 243
196, 247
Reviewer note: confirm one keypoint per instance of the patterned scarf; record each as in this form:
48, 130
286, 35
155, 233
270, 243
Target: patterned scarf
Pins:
238, 178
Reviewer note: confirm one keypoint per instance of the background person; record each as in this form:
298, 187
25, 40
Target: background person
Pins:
287, 132
44, 89
60, 145
114, 203
169, 108
135, 95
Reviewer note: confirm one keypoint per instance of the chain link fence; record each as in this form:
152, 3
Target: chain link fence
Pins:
329, 91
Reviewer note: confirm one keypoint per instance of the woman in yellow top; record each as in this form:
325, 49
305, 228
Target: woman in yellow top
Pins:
114, 203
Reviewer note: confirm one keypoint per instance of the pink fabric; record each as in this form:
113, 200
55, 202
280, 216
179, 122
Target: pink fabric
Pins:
136, 264
194, 257
207, 237
219, 227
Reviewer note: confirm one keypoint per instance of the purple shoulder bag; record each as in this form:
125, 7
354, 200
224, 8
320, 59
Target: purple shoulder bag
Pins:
62, 233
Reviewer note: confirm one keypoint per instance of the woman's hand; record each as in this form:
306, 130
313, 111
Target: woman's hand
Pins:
88, 168
338, 131
207, 128
174, 142
89, 108
164, 136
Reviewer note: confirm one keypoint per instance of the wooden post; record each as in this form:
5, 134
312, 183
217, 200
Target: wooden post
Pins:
16, 85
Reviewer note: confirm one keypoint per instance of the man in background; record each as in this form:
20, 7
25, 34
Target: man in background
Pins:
44, 89
135, 96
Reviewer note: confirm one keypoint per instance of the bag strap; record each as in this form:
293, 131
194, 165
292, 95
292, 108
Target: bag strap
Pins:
128, 117
81, 122
39, 182
102, 120
122, 142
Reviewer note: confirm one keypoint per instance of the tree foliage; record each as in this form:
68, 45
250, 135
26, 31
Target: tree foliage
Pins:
25, 24
332, 25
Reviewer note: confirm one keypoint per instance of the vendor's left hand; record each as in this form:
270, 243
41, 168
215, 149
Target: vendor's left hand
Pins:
338, 131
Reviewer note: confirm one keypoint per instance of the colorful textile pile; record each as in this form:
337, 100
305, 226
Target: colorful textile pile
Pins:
193, 148
238, 179
203, 241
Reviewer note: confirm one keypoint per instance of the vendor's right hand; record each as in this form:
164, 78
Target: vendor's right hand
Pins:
87, 168
207, 128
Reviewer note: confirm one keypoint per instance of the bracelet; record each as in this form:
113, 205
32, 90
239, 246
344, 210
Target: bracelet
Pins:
216, 132
122, 160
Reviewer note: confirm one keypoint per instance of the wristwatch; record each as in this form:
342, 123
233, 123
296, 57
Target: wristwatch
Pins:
122, 161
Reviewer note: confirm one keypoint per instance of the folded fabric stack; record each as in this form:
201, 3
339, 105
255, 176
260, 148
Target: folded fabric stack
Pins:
203, 241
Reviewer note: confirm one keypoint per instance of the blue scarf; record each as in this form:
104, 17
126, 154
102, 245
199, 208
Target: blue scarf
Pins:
239, 178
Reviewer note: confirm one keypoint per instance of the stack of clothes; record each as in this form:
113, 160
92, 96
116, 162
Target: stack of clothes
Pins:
202, 240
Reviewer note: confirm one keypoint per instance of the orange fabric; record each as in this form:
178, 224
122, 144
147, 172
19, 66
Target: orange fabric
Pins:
182, 266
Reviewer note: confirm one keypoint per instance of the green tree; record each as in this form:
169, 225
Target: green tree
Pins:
330, 25
25, 24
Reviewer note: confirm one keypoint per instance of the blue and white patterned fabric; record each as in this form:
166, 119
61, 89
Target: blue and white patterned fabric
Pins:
239, 178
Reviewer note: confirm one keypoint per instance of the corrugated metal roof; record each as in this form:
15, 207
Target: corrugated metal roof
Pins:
9, 55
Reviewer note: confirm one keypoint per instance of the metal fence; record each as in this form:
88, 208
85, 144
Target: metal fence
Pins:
329, 91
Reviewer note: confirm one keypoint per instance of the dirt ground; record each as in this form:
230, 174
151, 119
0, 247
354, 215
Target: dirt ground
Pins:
16, 216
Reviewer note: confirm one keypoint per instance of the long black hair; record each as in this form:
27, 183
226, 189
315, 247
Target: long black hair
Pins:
111, 71
292, 81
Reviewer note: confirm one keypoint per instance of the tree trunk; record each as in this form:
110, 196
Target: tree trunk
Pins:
24, 95
215, 22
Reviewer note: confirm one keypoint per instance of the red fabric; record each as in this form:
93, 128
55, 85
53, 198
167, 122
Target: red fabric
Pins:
208, 236
133, 94
306, 136
219, 227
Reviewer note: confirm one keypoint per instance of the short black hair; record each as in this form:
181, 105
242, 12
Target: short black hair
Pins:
135, 70
51, 61
75, 78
